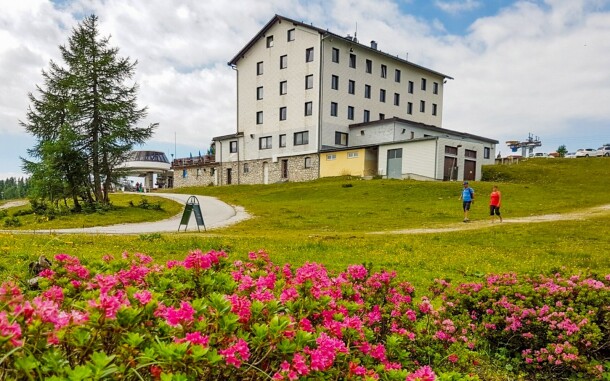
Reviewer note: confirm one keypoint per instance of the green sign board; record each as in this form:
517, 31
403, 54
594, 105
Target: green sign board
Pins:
192, 205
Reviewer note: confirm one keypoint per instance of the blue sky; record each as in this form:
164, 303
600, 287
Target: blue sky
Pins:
519, 67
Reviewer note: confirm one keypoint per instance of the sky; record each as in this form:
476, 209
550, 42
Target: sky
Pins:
539, 67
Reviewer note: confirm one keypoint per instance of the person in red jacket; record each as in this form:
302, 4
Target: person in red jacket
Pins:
495, 199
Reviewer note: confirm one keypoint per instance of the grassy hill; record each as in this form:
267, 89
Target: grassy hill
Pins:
331, 220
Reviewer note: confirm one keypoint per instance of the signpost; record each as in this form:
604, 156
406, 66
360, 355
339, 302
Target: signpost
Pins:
192, 205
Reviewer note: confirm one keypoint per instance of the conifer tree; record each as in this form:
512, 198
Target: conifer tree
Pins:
85, 120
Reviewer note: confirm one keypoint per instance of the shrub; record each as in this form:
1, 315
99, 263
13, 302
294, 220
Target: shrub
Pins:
206, 318
12, 222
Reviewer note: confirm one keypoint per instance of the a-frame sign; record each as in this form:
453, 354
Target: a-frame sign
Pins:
192, 205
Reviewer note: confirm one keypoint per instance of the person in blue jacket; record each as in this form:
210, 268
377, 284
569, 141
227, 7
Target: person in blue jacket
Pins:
467, 198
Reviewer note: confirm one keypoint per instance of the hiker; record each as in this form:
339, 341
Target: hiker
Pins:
495, 199
467, 198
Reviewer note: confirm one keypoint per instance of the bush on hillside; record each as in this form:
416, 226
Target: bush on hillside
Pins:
207, 318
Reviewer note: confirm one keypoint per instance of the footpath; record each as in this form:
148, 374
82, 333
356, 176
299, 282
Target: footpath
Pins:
216, 214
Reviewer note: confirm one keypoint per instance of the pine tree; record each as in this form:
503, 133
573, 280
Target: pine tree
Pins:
85, 119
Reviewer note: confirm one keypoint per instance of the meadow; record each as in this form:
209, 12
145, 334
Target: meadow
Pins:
343, 221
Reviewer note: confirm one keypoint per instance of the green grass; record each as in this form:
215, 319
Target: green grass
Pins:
326, 222
121, 212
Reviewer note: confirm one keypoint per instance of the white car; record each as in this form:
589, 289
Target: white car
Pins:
541, 154
585, 152
570, 155
603, 151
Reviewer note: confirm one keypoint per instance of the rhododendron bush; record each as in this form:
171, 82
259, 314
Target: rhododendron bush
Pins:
206, 317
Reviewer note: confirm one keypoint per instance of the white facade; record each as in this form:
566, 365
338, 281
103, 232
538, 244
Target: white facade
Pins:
302, 90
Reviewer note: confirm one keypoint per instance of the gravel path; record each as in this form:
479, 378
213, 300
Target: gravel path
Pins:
579, 215
216, 214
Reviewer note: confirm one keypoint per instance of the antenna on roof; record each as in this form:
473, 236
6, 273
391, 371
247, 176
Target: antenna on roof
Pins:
356, 32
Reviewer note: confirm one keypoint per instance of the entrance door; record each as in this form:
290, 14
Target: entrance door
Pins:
450, 168
395, 163
284, 169
229, 172
470, 169
265, 173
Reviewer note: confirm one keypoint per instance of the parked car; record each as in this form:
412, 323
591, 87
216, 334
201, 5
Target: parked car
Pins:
585, 152
570, 155
603, 151
541, 154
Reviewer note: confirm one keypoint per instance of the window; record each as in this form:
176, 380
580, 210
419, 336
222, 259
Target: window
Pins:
410, 108
334, 82
396, 99
340, 138
331, 156
269, 41
309, 55
283, 87
350, 112
422, 106
470, 153
333, 108
451, 150
486, 152
246, 168
336, 55
412, 135
411, 84
233, 146
367, 91
433, 108
283, 112
397, 75
301, 138
283, 62
259, 68
264, 142
283, 140
351, 87
259, 93
352, 61
259, 117
198, 172
369, 66
290, 34
367, 116
423, 84
308, 108
381, 116
185, 174
435, 88
381, 95
309, 81
352, 155
307, 162
384, 71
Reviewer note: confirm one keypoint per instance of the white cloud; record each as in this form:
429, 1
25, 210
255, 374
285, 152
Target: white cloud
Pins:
455, 7
537, 67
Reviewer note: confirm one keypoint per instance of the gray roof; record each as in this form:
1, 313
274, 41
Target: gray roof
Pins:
278, 18
423, 126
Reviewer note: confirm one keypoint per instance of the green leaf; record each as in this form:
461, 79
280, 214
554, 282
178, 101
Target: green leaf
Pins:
80, 372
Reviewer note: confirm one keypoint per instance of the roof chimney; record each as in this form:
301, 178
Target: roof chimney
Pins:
374, 44
349, 37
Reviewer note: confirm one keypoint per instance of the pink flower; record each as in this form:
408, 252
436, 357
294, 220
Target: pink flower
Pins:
453, 358
241, 306
110, 304
195, 338
10, 330
289, 295
357, 272
176, 316
143, 296
47, 273
54, 293
424, 373
236, 354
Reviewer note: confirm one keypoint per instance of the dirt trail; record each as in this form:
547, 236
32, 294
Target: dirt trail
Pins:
579, 215
12, 204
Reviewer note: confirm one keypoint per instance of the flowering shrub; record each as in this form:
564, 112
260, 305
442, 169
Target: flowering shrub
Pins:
207, 318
